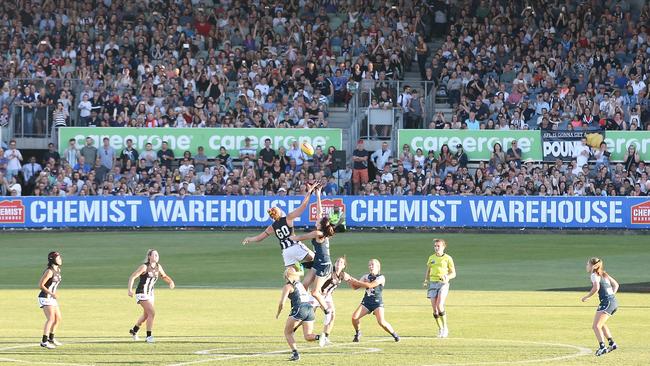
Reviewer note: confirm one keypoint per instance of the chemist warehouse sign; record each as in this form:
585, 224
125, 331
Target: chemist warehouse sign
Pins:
515, 212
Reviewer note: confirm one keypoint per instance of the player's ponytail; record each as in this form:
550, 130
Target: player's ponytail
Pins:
597, 266
326, 227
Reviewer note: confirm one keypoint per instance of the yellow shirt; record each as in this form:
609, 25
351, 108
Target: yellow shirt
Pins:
440, 266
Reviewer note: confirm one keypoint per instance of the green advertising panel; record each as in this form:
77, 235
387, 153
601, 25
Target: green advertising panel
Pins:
478, 144
619, 141
189, 139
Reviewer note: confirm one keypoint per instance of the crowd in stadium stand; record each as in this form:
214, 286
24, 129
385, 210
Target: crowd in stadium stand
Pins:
506, 65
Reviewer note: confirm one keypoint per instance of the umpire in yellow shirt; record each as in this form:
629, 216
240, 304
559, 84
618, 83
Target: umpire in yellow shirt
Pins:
440, 270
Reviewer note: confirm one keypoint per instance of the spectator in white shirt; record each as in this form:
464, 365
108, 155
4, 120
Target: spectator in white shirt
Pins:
382, 157
14, 157
85, 107
386, 176
30, 169
296, 153
581, 153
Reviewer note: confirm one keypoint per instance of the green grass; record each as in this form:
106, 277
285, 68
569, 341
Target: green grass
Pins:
496, 314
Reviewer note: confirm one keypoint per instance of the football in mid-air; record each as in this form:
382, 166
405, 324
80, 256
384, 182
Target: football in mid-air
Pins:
307, 148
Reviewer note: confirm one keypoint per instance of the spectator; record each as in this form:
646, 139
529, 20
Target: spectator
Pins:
382, 157
247, 151
582, 153
85, 107
52, 154
406, 157
129, 156
149, 155
513, 155
360, 166
166, 155
106, 154
630, 159
89, 152
296, 154
267, 154
14, 157
31, 169
200, 160
461, 156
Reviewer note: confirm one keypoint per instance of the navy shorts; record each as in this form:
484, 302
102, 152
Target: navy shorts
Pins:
323, 270
372, 306
304, 312
608, 306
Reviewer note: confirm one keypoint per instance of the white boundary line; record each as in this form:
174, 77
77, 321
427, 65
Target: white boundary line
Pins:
582, 351
356, 351
3, 359
271, 353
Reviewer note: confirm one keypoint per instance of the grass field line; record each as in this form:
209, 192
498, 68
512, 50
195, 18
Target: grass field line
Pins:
3, 359
270, 353
581, 351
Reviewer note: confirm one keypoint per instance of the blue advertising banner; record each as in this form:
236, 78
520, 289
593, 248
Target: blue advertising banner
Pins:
432, 211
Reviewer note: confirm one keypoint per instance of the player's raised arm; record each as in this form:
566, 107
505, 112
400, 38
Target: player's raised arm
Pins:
263, 235
298, 211
355, 284
307, 236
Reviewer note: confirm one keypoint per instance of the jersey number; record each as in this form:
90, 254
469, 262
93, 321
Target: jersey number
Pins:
282, 232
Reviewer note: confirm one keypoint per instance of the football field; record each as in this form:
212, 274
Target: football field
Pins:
222, 312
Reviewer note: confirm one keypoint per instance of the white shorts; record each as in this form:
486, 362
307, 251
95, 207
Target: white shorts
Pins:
47, 301
329, 302
143, 297
294, 254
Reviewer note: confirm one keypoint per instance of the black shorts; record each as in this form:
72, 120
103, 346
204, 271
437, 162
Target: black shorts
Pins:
371, 306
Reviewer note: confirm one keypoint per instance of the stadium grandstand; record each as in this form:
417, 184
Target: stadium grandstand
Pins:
398, 98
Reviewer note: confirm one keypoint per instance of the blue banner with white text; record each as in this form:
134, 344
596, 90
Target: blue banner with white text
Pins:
377, 211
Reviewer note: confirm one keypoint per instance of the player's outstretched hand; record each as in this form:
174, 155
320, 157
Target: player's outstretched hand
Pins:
172, 285
246, 240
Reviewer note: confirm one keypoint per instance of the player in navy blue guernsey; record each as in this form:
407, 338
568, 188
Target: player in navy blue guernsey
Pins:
322, 266
47, 299
282, 227
606, 287
372, 302
148, 273
301, 310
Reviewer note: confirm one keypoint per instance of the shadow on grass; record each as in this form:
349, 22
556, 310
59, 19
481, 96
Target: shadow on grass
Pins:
639, 288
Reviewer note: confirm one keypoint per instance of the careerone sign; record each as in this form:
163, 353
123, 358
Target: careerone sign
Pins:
619, 141
189, 139
478, 144
430, 211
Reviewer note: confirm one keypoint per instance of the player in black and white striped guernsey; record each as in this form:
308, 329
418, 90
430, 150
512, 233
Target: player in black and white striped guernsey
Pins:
332, 282
282, 227
47, 299
148, 273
